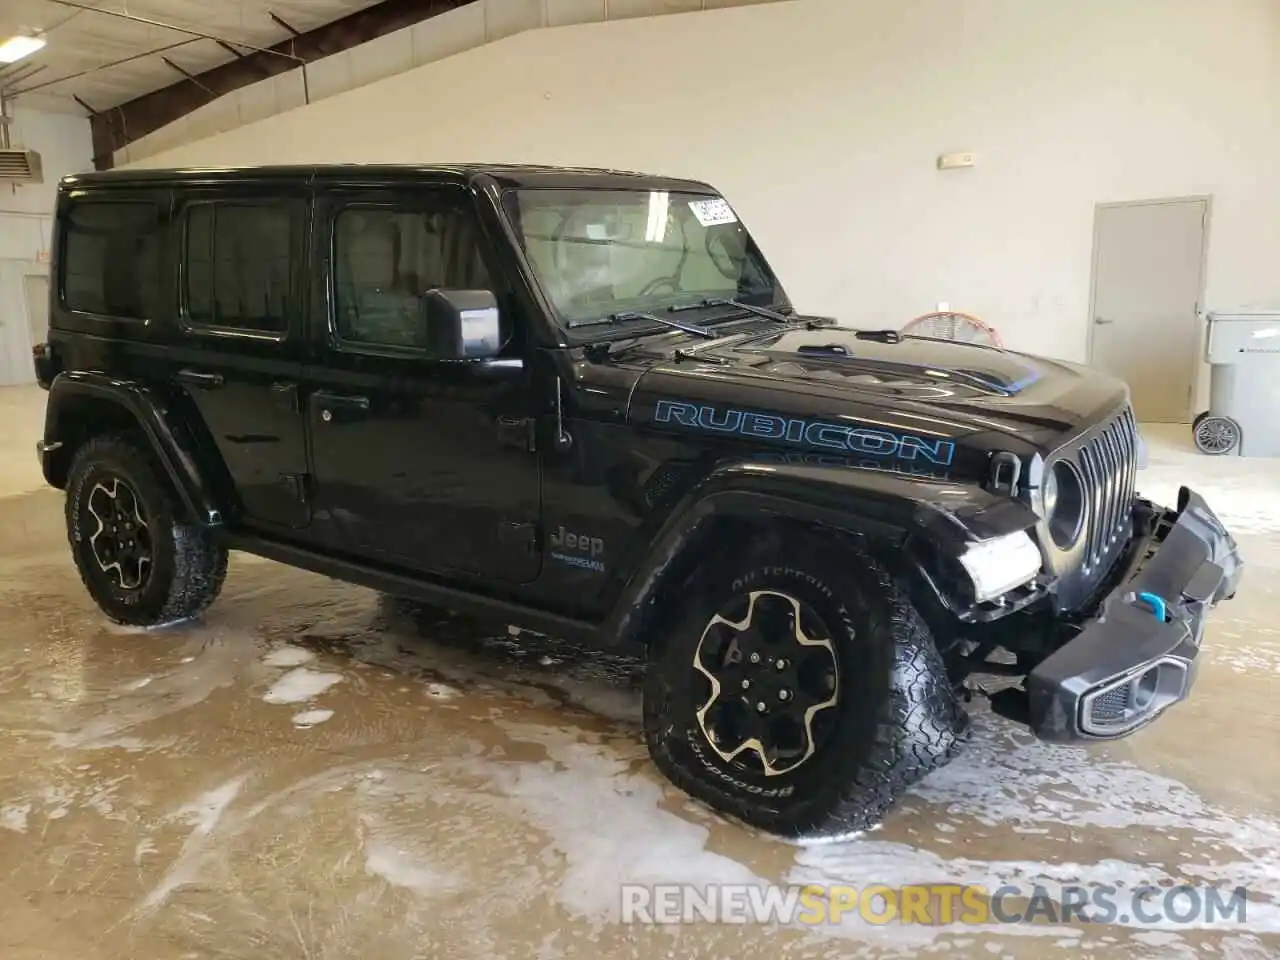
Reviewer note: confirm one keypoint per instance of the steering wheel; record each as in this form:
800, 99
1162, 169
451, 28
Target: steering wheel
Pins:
729, 272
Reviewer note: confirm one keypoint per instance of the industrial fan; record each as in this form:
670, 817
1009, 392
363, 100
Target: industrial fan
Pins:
950, 325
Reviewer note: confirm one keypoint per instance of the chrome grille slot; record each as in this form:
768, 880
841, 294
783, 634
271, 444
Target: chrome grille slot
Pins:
1108, 469
1093, 487
1115, 474
1106, 464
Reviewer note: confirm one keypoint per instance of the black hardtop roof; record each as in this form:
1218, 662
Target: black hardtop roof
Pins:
512, 175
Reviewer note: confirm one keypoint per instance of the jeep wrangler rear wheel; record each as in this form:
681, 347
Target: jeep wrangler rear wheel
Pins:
140, 559
801, 696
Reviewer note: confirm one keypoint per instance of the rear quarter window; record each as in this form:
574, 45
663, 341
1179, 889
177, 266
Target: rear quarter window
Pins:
111, 258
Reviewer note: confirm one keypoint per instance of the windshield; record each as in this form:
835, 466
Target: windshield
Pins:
602, 252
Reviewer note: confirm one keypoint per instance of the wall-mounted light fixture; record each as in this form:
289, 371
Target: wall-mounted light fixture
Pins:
954, 161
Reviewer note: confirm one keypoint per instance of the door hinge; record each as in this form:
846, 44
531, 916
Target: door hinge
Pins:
519, 430
519, 537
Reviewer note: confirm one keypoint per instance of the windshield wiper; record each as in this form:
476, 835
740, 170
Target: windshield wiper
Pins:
726, 302
693, 328
626, 315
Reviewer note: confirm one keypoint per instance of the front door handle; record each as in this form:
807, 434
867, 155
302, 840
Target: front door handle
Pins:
330, 403
199, 379
1101, 321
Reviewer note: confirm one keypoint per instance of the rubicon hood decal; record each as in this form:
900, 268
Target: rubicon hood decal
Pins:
849, 436
911, 402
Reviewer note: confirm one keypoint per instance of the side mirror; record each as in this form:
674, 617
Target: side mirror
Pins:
461, 323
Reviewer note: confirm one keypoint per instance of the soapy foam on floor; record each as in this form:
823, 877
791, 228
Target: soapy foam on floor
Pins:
311, 718
1256, 660
203, 814
1005, 779
288, 656
400, 869
300, 685
14, 817
606, 820
189, 683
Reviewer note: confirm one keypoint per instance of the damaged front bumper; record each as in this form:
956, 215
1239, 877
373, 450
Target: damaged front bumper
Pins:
1136, 655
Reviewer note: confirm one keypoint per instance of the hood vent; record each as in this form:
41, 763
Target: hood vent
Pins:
22, 166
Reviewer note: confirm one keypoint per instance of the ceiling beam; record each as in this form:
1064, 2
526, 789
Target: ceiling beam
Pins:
147, 21
186, 73
280, 22
154, 51
121, 125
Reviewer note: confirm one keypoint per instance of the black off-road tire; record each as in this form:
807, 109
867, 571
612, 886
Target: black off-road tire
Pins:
898, 715
188, 566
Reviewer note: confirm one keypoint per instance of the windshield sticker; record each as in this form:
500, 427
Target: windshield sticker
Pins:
713, 212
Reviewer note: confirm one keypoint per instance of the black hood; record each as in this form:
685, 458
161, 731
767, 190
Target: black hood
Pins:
917, 386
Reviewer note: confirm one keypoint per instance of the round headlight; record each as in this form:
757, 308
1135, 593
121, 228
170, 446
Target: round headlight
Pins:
1050, 494
1064, 504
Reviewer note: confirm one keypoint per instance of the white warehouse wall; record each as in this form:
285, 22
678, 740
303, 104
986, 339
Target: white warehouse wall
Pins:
26, 216
822, 119
472, 24
65, 146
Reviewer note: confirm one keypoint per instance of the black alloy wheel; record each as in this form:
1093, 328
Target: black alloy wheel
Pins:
773, 683
122, 542
143, 558
792, 684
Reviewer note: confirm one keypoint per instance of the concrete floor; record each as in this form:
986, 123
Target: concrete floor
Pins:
310, 773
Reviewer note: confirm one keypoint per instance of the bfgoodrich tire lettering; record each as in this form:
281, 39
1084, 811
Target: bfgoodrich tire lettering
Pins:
186, 567
896, 718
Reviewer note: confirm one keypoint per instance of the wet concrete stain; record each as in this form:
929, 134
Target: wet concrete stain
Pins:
457, 790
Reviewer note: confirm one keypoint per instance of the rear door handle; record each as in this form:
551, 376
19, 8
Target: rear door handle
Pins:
199, 379
1100, 321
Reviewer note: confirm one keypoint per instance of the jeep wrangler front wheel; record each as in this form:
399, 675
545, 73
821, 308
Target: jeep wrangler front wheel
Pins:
141, 560
800, 691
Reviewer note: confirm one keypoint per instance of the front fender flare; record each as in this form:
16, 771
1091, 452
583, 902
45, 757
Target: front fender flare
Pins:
889, 506
172, 447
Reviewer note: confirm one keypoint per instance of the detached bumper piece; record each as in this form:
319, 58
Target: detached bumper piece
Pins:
1137, 655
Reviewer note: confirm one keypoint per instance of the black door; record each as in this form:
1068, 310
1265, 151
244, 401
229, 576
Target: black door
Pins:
419, 460
243, 342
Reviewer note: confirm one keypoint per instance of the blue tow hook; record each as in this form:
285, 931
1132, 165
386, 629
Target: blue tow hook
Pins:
1156, 602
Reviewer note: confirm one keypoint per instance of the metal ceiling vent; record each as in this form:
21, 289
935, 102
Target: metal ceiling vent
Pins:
16, 164
20, 165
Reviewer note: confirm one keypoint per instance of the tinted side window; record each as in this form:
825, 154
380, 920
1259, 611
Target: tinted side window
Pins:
111, 258
385, 259
238, 266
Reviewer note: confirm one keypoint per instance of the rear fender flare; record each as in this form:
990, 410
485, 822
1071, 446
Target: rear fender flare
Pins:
881, 505
149, 411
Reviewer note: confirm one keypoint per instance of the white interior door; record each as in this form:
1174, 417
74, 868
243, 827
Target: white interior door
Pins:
35, 288
24, 317
1148, 274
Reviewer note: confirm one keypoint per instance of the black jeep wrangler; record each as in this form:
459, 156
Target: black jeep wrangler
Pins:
580, 401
